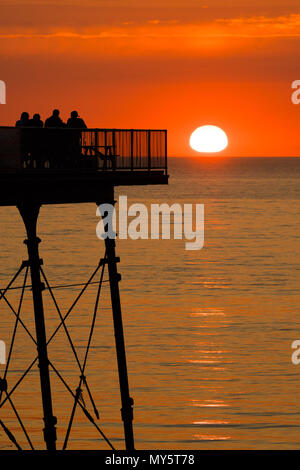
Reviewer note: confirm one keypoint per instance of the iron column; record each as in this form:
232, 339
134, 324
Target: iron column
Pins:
114, 279
29, 212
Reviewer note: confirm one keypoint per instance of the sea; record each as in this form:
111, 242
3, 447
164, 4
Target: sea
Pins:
208, 332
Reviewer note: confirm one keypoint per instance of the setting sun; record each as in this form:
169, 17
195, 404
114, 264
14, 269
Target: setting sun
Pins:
208, 139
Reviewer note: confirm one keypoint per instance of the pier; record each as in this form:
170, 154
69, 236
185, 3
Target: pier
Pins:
59, 166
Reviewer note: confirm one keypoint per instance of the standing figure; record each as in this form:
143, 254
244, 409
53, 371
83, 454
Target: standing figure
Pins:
37, 147
24, 139
36, 121
75, 122
23, 121
55, 140
54, 120
75, 139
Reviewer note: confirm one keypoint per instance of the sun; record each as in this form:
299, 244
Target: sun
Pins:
208, 139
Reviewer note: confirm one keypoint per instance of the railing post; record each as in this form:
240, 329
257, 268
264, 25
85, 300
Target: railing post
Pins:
131, 149
96, 146
166, 151
114, 148
149, 150
105, 142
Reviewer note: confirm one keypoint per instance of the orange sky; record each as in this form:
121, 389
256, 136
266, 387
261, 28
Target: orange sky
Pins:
158, 64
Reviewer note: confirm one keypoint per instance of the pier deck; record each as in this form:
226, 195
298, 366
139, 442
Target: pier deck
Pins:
57, 166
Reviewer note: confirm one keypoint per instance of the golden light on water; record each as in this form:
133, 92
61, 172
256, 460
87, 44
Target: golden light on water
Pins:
208, 139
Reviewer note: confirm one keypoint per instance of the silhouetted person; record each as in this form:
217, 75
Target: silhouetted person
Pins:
23, 121
75, 136
54, 120
36, 121
55, 139
24, 139
75, 122
36, 142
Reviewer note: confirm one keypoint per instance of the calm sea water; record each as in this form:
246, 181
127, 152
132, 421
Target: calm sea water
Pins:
208, 332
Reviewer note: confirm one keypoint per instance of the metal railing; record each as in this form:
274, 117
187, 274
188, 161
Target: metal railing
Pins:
133, 149
104, 149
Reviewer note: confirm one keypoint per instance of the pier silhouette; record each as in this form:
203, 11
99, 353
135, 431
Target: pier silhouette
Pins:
41, 166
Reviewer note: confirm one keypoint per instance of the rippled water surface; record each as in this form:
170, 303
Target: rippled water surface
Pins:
208, 332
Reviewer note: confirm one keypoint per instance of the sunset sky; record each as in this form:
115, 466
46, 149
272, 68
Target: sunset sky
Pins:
158, 64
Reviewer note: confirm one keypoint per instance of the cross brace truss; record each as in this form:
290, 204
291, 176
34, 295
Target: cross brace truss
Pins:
40, 283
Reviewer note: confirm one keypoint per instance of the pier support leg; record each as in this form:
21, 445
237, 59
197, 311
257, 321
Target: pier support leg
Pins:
29, 213
127, 401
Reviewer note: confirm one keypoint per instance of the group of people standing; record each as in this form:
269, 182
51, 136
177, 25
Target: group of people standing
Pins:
53, 147
74, 121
